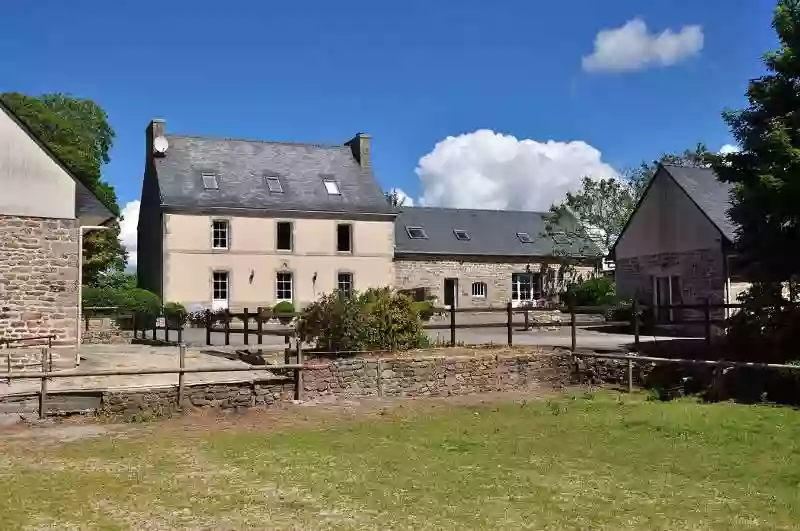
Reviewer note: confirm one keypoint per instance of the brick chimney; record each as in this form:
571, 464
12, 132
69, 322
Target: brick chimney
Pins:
154, 130
360, 146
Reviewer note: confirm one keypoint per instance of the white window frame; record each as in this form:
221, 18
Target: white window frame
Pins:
209, 175
218, 303
227, 229
350, 281
278, 188
479, 289
331, 186
278, 289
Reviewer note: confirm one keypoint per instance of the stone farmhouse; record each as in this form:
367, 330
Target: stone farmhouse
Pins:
486, 258
228, 223
43, 209
677, 247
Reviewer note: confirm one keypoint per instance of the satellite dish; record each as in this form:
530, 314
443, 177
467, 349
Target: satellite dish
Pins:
160, 144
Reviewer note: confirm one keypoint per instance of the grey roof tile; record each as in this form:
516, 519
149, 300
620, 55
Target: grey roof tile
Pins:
708, 193
491, 233
242, 165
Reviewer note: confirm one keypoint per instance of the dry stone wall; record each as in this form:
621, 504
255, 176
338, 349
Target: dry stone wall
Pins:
38, 280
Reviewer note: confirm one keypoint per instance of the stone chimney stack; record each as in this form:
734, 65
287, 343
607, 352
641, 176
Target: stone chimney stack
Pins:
360, 146
154, 130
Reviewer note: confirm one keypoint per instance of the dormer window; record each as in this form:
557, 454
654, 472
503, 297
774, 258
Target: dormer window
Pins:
461, 235
331, 186
416, 233
274, 185
210, 180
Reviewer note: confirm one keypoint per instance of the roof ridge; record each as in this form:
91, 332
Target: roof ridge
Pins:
511, 210
258, 140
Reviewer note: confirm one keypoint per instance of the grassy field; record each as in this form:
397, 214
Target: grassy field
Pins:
580, 462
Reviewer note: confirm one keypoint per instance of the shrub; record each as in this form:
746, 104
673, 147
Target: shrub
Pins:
424, 309
94, 297
174, 308
378, 319
593, 292
139, 300
284, 307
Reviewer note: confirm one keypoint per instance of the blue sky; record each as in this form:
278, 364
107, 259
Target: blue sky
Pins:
409, 73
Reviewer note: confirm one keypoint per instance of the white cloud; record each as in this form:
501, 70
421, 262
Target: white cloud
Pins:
489, 170
729, 148
407, 201
631, 47
127, 233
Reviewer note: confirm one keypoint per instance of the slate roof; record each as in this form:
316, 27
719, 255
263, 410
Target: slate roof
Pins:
241, 167
491, 232
710, 195
87, 203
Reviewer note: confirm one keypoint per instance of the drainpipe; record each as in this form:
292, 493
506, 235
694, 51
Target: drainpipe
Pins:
80, 281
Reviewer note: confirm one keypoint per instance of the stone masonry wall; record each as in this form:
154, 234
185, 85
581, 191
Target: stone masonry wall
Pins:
412, 273
38, 280
104, 331
701, 272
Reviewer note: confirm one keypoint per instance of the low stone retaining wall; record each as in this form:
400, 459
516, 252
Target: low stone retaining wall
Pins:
104, 331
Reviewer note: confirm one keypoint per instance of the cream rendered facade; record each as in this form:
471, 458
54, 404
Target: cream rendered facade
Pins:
252, 261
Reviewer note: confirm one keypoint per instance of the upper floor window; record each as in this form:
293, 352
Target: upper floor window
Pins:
274, 184
210, 180
283, 237
331, 186
220, 234
416, 233
344, 238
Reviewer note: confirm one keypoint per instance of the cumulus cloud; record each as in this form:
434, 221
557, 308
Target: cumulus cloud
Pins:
404, 197
632, 47
485, 169
728, 148
127, 233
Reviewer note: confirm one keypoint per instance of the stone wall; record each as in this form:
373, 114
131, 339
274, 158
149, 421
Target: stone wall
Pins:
701, 272
38, 280
104, 331
411, 273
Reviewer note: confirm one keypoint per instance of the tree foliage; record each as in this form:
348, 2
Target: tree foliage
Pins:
766, 173
77, 131
394, 198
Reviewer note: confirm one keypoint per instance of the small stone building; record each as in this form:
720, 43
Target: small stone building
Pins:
487, 258
42, 209
677, 247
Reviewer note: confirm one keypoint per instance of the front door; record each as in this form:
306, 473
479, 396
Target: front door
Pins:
521, 289
450, 292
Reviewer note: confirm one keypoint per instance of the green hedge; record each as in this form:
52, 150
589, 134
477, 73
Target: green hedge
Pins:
134, 300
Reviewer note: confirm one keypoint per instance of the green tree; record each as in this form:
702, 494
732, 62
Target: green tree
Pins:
766, 173
394, 198
77, 131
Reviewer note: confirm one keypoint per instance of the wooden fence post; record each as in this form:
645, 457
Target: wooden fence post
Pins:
246, 327
452, 325
133, 319
227, 327
260, 324
573, 326
287, 349
527, 320
208, 327
509, 323
181, 376
43, 390
298, 373
636, 325
707, 321
166, 328
181, 321
155, 328
630, 376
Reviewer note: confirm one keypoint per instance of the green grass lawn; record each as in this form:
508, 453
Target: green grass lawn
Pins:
600, 461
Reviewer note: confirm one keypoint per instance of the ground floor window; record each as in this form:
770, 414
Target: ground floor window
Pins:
344, 283
283, 291
220, 290
479, 289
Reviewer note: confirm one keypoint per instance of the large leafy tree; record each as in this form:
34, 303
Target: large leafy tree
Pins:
766, 173
77, 131
601, 207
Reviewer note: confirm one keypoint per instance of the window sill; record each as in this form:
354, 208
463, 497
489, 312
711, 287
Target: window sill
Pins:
284, 251
220, 249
